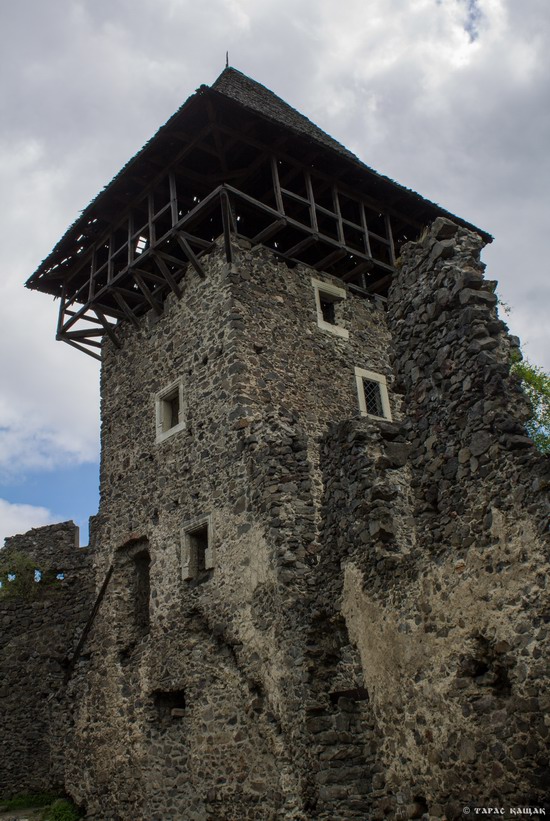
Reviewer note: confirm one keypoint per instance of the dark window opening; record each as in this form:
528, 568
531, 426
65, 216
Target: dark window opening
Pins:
197, 552
169, 704
198, 543
327, 310
170, 407
173, 410
373, 398
170, 411
352, 694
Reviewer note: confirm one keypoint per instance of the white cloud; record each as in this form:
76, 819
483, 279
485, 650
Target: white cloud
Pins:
20, 518
462, 119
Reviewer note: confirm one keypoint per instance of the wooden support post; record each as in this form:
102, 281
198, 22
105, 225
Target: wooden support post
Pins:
226, 220
92, 274
156, 278
79, 347
61, 313
173, 198
108, 327
277, 186
126, 309
156, 306
338, 212
110, 261
130, 238
165, 271
190, 254
390, 238
365, 230
311, 199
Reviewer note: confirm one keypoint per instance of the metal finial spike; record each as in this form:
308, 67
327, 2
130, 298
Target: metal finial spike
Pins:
227, 59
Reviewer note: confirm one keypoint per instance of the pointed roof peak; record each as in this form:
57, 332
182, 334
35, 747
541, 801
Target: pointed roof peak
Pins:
253, 95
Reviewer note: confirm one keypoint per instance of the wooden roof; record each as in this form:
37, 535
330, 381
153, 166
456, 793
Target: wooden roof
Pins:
230, 97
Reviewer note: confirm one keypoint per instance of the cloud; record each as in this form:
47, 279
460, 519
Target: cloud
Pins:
448, 98
20, 518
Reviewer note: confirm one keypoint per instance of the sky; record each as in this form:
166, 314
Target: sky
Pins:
449, 97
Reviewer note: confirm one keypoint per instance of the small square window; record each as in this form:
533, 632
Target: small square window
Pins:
170, 416
197, 550
372, 393
328, 302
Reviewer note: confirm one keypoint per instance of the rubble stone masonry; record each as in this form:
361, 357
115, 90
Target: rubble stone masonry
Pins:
305, 613
41, 622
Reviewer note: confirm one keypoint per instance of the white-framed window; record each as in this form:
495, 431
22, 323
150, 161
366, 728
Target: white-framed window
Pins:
197, 547
170, 410
328, 302
372, 393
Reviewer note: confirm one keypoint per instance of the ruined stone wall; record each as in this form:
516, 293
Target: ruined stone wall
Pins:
40, 625
261, 381
368, 636
439, 526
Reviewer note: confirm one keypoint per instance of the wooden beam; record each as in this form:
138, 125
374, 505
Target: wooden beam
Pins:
226, 220
358, 270
269, 231
148, 275
298, 225
156, 306
382, 282
277, 185
338, 213
302, 245
202, 243
334, 256
79, 347
390, 238
165, 271
190, 254
81, 336
126, 292
127, 310
83, 333
108, 328
311, 201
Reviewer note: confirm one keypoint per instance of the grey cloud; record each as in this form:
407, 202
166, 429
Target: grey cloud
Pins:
90, 82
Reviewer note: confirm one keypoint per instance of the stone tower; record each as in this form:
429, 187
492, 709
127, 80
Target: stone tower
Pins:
319, 555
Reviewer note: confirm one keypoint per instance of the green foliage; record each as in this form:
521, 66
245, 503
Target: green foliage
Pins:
25, 802
17, 576
62, 810
536, 385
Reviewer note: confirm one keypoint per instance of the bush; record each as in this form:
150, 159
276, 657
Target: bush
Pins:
18, 577
536, 385
62, 810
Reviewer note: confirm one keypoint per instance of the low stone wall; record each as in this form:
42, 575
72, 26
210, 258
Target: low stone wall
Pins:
40, 624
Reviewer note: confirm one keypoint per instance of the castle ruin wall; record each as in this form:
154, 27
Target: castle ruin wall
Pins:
304, 612
41, 622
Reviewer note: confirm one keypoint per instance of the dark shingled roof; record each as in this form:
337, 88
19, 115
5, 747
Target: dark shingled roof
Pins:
260, 99
231, 88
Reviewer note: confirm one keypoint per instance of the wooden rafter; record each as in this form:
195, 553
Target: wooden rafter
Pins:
152, 257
